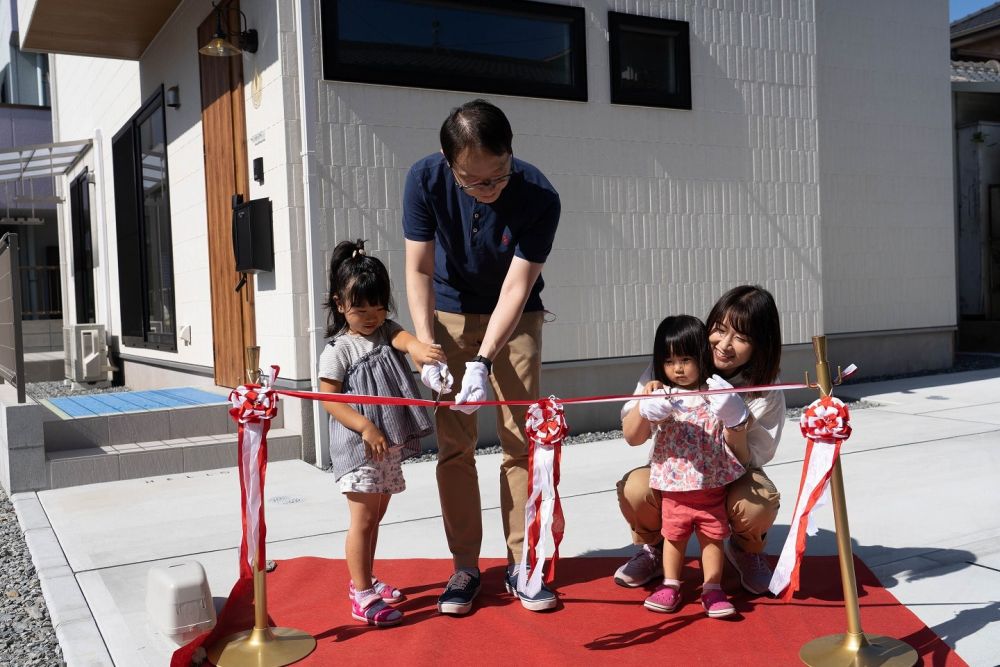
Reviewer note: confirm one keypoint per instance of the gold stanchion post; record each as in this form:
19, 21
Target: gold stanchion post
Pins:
854, 648
252, 357
263, 646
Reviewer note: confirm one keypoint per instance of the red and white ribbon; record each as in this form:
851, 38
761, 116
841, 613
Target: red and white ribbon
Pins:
254, 406
825, 424
367, 399
545, 427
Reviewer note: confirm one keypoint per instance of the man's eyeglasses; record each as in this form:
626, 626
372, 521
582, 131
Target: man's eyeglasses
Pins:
488, 184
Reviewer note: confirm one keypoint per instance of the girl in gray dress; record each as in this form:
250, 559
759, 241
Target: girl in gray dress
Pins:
369, 442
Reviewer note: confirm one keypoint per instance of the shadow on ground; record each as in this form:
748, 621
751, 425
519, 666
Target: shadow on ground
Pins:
892, 565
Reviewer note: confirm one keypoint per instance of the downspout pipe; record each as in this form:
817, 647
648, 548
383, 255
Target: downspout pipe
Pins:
308, 111
102, 178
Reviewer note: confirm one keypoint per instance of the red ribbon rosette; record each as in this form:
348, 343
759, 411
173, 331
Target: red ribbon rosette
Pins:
826, 420
545, 422
825, 424
545, 426
253, 402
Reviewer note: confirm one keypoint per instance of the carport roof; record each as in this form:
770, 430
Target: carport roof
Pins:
41, 160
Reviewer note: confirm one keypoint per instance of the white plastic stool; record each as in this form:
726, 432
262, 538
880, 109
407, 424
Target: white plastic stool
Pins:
179, 601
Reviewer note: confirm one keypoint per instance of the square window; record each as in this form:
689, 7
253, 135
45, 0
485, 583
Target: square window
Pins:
650, 61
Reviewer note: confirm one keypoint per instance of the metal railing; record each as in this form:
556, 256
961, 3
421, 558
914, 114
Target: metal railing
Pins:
11, 343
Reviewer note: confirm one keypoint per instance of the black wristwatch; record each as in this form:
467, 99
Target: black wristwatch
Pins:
485, 362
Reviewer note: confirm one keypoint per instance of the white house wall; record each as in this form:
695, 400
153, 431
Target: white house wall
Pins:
796, 142
885, 165
663, 210
105, 93
91, 99
172, 60
272, 106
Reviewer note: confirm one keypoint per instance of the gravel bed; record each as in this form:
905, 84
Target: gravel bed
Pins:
26, 634
58, 389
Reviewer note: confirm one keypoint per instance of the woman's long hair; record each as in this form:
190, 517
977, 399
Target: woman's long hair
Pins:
751, 311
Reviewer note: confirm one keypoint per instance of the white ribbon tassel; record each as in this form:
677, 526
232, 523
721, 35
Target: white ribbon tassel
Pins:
820, 463
252, 435
542, 486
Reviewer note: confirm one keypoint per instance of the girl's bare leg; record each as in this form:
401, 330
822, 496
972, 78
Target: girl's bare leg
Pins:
366, 511
711, 558
673, 558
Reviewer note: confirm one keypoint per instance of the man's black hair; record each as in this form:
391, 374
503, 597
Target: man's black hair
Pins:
476, 124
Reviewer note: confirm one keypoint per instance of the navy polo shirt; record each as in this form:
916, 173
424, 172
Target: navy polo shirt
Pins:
475, 242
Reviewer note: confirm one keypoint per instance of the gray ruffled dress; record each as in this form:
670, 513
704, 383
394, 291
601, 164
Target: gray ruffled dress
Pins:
370, 365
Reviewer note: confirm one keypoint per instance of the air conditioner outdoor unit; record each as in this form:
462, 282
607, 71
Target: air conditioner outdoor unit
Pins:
86, 350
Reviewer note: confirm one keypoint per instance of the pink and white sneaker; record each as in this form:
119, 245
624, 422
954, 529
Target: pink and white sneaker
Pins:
389, 593
663, 600
716, 604
374, 611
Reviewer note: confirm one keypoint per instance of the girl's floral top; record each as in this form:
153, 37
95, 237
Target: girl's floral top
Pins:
689, 452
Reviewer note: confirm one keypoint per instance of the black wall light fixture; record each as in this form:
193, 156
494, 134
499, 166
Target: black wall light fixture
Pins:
172, 97
220, 45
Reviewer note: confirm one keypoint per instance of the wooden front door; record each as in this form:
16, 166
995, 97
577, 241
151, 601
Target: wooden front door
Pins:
225, 138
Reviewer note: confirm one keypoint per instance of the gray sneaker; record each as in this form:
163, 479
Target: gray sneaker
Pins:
540, 601
642, 568
755, 573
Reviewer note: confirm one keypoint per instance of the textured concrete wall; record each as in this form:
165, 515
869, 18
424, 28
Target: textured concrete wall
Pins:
663, 209
885, 167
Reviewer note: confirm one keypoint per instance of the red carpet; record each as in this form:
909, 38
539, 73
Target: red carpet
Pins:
596, 621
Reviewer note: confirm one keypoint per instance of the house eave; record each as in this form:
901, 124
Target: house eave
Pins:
120, 29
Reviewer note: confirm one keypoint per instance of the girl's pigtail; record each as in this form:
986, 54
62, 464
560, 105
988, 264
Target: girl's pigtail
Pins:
343, 252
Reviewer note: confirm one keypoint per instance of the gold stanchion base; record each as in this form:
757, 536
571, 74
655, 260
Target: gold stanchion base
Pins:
269, 647
857, 651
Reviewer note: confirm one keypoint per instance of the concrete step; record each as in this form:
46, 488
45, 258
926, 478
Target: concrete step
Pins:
138, 427
44, 366
109, 463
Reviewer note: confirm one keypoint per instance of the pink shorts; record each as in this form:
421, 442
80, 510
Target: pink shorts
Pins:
703, 510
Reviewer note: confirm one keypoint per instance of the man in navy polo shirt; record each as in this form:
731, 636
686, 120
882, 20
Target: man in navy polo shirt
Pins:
479, 224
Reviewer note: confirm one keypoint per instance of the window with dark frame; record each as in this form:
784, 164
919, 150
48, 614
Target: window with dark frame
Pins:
511, 47
83, 256
142, 213
650, 61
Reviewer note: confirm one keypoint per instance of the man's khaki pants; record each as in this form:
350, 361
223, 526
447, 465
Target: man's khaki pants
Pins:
752, 503
516, 376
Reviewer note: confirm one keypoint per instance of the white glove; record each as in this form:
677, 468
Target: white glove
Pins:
658, 409
436, 377
728, 408
473, 387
